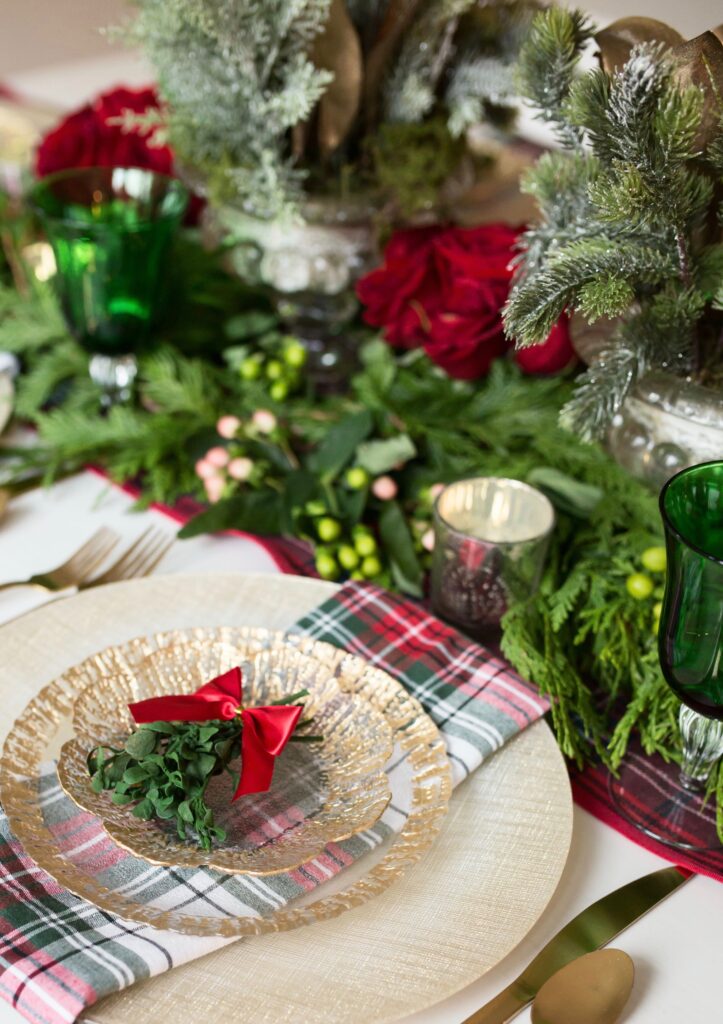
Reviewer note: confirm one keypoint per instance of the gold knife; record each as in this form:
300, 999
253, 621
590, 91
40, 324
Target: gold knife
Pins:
591, 929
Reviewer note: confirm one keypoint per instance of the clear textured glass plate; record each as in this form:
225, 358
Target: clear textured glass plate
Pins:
321, 792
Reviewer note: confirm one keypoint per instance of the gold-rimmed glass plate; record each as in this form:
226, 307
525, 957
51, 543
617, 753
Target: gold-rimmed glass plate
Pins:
421, 787
321, 792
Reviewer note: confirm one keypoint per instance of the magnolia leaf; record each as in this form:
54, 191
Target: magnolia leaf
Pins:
398, 17
338, 50
617, 40
380, 456
699, 62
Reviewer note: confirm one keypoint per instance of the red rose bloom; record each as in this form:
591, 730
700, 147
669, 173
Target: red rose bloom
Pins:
87, 139
443, 288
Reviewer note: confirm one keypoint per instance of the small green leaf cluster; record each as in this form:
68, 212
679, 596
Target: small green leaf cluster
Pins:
163, 771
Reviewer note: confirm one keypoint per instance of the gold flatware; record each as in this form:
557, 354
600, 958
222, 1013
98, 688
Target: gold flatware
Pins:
140, 559
594, 989
592, 928
4, 499
76, 569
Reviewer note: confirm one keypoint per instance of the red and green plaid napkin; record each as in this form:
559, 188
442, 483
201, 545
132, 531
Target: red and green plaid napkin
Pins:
60, 954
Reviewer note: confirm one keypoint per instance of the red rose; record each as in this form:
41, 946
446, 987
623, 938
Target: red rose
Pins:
87, 139
550, 356
443, 288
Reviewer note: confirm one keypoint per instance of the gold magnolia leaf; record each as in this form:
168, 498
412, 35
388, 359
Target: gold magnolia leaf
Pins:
699, 62
338, 50
617, 40
397, 19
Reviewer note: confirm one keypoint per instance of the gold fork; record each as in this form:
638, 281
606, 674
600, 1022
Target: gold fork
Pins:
76, 569
140, 559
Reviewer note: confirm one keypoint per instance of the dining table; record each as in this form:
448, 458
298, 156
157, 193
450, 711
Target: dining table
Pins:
676, 947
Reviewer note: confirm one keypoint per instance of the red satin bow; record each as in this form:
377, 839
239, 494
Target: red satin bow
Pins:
266, 731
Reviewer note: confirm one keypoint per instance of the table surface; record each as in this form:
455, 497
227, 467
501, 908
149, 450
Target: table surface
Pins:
676, 948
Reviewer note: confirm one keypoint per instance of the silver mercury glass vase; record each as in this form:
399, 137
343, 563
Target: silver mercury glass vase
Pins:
311, 266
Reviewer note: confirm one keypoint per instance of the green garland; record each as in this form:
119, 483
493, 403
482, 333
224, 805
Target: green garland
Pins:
594, 617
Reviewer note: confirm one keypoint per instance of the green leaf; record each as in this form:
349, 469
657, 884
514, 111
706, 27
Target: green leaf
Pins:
256, 512
121, 799
143, 810
206, 764
164, 727
135, 774
206, 732
140, 743
378, 457
340, 444
565, 492
249, 325
184, 811
399, 546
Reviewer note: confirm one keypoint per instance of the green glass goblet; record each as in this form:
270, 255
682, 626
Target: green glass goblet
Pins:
690, 642
110, 229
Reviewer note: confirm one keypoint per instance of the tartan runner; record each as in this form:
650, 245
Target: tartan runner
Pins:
60, 954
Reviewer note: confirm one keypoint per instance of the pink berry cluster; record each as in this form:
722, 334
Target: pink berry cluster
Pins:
221, 464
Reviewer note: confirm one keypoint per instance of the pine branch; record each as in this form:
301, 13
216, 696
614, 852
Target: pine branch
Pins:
547, 65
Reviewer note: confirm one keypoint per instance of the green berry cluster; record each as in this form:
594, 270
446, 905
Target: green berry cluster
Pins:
339, 551
280, 368
643, 586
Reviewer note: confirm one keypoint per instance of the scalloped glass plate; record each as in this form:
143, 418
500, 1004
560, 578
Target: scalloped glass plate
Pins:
321, 792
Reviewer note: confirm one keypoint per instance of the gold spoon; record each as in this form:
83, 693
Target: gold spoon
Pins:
592, 989
4, 499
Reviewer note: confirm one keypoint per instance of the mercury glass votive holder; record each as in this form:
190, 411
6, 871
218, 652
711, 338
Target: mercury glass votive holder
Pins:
110, 229
491, 539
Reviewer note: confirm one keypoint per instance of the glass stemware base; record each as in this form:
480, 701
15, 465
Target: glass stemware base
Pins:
670, 805
114, 375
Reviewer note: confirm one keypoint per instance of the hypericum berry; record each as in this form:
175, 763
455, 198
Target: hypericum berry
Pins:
240, 468
365, 544
315, 508
264, 421
639, 585
295, 355
385, 488
348, 557
357, 478
217, 456
371, 567
274, 369
326, 566
228, 426
654, 559
657, 609
214, 486
250, 368
279, 390
328, 529
205, 470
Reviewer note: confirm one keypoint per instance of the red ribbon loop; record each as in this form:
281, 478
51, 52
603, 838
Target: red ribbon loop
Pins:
266, 730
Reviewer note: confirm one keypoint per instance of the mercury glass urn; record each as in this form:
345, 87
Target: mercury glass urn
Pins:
666, 424
311, 266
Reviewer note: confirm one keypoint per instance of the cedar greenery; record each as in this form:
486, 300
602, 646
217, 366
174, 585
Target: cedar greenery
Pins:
628, 212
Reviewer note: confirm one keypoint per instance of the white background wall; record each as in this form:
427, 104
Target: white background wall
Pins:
37, 33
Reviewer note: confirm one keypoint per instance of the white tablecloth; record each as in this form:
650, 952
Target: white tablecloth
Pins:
676, 948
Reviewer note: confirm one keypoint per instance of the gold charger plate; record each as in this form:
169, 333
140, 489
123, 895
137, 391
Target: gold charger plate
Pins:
476, 893
323, 792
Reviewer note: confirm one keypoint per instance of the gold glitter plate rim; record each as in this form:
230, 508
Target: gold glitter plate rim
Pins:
412, 728
354, 799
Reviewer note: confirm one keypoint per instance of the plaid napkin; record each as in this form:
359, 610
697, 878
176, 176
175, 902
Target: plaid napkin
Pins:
60, 954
